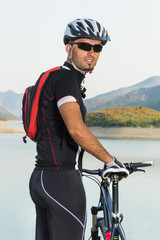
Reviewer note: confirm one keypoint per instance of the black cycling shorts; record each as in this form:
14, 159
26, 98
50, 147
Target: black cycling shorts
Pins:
60, 203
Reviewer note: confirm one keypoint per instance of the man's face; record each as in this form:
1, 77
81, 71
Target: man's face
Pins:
85, 60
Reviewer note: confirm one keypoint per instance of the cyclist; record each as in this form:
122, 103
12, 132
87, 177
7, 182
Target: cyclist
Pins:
56, 186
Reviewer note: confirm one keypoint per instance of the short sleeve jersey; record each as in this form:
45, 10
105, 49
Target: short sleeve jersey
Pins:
56, 150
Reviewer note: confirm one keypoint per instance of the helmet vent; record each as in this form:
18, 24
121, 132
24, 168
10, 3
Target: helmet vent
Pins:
99, 27
89, 24
80, 25
91, 33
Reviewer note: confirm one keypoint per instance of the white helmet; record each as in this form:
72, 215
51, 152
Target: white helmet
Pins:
85, 28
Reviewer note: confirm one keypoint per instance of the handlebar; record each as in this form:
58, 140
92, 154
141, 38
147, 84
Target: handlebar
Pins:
135, 167
131, 167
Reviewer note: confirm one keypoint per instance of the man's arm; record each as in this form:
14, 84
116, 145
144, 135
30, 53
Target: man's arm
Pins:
72, 117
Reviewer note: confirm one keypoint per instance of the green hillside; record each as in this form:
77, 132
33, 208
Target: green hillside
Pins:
124, 117
2, 119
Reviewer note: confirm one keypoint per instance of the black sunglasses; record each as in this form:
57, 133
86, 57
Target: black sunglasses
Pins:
87, 46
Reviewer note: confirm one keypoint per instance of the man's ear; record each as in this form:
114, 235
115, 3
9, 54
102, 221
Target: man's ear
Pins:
68, 48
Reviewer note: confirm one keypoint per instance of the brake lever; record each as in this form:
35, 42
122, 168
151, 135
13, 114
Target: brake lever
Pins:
137, 170
140, 170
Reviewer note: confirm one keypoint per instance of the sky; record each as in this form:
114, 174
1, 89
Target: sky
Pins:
31, 38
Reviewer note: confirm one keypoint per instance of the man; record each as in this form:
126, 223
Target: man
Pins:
56, 185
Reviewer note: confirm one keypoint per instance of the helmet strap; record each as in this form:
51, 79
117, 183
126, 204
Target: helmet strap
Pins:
83, 72
70, 59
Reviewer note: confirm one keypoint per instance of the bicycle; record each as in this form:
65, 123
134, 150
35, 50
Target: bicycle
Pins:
109, 223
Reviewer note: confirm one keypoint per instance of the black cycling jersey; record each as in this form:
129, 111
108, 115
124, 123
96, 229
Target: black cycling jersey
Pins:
56, 150
56, 185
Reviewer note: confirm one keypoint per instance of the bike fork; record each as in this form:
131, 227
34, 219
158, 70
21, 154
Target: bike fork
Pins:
94, 230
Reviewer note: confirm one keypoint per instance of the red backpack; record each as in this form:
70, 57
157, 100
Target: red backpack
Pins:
30, 106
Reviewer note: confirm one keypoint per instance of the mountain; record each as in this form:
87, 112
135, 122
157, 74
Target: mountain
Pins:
12, 102
149, 82
145, 93
7, 114
134, 98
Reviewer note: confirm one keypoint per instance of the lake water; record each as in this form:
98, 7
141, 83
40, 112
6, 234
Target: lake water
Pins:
139, 194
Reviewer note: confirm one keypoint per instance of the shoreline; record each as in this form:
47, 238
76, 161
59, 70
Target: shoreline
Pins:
7, 122
4, 129
99, 132
10, 130
126, 132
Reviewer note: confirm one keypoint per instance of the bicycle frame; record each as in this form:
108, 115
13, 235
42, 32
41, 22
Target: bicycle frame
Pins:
105, 205
111, 227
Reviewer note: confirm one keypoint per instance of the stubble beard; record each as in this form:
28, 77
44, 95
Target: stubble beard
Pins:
86, 69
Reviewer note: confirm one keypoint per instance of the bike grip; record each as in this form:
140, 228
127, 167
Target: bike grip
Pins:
150, 163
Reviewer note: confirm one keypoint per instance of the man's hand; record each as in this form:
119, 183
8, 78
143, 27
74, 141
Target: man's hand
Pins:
115, 167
